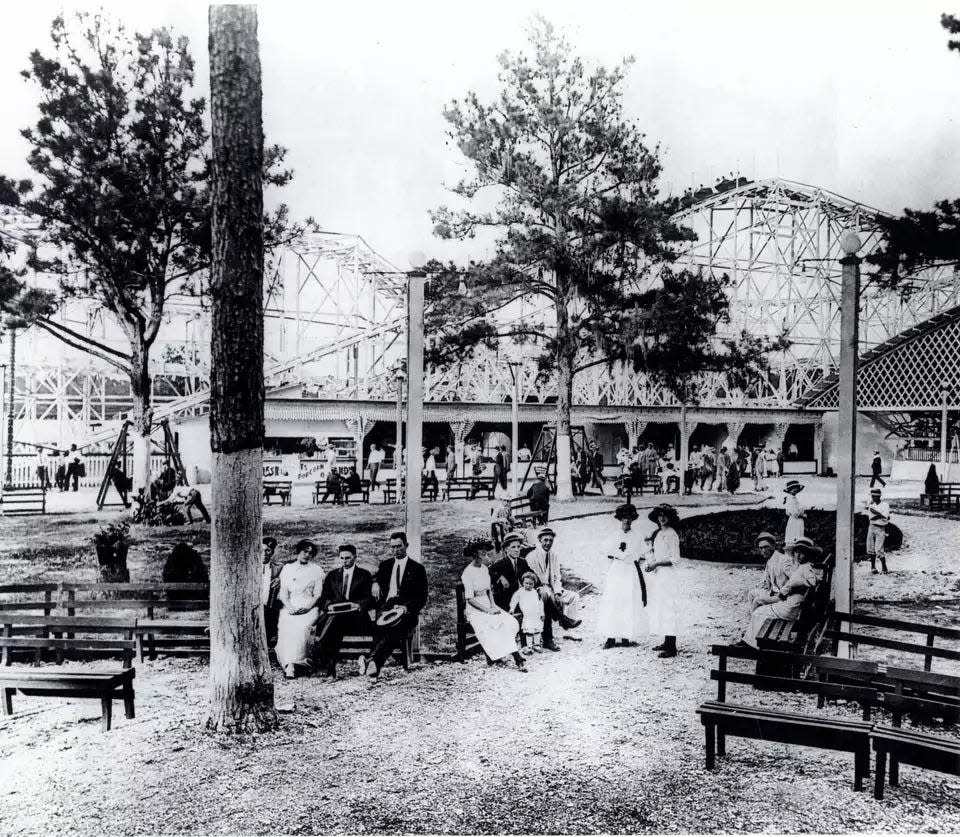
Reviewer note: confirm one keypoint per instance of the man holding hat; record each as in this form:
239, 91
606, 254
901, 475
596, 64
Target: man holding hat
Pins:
776, 574
506, 573
878, 513
345, 602
558, 604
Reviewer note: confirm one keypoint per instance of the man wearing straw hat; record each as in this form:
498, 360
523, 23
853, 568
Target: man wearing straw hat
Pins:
878, 513
558, 604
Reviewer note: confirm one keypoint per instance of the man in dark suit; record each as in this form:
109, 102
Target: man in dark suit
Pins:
347, 583
539, 496
506, 573
402, 582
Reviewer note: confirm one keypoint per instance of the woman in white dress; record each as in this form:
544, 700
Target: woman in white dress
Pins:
795, 515
496, 629
623, 613
662, 579
301, 583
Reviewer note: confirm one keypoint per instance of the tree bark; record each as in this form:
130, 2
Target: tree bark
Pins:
141, 419
565, 356
241, 683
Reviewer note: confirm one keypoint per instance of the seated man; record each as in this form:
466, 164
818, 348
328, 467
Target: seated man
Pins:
558, 604
351, 485
539, 496
348, 583
333, 486
778, 570
400, 582
506, 573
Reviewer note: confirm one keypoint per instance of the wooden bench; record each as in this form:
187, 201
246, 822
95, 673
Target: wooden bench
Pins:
521, 512
390, 490
466, 488
173, 636
946, 498
721, 719
23, 500
928, 650
321, 495
58, 634
467, 642
273, 487
105, 685
929, 752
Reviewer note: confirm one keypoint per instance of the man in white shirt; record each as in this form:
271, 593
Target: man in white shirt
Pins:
558, 604
374, 458
879, 514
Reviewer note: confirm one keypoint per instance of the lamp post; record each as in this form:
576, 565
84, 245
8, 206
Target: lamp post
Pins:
415, 283
513, 366
945, 389
398, 450
3, 405
847, 427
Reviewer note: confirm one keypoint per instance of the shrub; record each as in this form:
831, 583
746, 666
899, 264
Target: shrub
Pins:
730, 536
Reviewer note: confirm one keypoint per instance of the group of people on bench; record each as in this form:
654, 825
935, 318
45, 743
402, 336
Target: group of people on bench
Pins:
339, 488
299, 598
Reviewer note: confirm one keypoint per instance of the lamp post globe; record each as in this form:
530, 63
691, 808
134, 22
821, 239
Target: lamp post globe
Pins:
850, 243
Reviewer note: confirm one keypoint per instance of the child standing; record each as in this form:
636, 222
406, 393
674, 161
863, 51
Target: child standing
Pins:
527, 600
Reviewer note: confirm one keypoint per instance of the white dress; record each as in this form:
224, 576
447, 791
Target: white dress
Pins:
496, 632
794, 521
300, 586
663, 595
622, 613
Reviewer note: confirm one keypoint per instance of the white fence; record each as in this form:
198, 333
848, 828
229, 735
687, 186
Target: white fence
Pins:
24, 470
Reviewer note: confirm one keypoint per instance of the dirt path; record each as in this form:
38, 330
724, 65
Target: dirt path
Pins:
589, 741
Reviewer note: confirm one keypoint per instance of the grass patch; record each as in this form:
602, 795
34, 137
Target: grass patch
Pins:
730, 535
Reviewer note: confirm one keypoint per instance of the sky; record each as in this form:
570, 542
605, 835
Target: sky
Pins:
860, 98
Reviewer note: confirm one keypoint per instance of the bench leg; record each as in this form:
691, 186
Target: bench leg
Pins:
710, 732
879, 775
139, 641
128, 711
861, 768
894, 771
106, 713
8, 701
721, 743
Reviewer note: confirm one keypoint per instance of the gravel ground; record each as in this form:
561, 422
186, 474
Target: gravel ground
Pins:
589, 741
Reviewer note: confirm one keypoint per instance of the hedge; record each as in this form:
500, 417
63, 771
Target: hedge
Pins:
731, 535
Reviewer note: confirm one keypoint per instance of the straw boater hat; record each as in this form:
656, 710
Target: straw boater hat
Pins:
546, 530
875, 491
766, 537
627, 511
806, 545
673, 519
511, 537
793, 487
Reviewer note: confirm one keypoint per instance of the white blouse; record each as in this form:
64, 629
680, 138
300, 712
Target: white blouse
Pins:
476, 581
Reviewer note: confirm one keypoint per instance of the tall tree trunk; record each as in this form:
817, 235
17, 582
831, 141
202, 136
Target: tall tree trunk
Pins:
8, 470
565, 357
241, 684
142, 413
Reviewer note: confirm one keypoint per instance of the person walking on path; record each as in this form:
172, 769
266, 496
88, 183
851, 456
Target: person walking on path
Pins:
795, 514
662, 580
878, 513
622, 611
374, 460
876, 469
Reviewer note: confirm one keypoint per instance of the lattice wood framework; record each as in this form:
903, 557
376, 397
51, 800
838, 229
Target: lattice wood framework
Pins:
907, 372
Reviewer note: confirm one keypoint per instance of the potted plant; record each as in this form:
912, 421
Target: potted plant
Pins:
112, 545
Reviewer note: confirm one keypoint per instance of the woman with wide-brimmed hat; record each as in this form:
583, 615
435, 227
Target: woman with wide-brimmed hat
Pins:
623, 603
301, 583
496, 629
660, 572
795, 514
803, 578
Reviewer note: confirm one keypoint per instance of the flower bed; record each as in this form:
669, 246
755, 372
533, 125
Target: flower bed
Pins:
730, 536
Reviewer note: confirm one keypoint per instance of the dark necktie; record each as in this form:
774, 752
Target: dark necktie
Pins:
346, 585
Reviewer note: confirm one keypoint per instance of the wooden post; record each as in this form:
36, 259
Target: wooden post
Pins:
415, 281
847, 429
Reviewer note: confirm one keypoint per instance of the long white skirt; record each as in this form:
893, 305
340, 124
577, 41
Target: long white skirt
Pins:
794, 529
622, 614
663, 605
496, 632
293, 632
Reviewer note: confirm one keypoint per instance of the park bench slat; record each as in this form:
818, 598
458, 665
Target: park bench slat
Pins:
949, 682
896, 624
156, 587
78, 622
894, 644
28, 588
32, 605
919, 749
107, 686
135, 604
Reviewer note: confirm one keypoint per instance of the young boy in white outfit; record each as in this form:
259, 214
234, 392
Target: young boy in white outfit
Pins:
529, 603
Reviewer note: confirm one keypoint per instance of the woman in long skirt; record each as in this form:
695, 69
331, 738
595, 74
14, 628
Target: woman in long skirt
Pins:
301, 583
660, 571
496, 629
795, 515
623, 613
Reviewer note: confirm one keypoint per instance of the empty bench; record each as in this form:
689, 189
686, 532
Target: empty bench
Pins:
23, 500
35, 634
947, 498
466, 488
106, 686
929, 752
